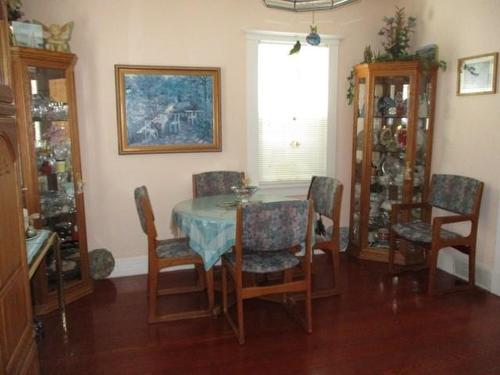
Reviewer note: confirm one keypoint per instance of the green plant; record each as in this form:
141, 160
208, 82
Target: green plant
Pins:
397, 31
350, 89
14, 10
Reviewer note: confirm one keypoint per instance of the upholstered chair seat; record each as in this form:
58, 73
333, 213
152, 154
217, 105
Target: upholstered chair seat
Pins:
418, 231
260, 262
174, 248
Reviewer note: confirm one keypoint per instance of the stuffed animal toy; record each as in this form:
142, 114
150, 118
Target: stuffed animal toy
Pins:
57, 37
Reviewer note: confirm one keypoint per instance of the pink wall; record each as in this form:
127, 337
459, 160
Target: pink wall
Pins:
184, 33
467, 134
211, 33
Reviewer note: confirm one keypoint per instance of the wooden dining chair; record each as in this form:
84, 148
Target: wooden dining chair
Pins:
267, 235
216, 182
457, 194
326, 194
168, 253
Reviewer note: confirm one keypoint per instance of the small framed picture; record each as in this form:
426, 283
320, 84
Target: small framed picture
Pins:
27, 34
477, 74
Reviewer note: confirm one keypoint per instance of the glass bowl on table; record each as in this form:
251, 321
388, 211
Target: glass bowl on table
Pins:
243, 193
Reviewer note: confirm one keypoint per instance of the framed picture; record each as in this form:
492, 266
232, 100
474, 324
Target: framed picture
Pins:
27, 34
167, 109
477, 74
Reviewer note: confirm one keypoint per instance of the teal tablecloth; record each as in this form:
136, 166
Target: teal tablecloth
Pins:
210, 223
33, 245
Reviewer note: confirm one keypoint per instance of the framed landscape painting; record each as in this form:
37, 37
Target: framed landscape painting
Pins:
167, 109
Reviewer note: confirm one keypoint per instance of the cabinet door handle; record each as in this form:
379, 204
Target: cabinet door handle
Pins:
408, 170
79, 184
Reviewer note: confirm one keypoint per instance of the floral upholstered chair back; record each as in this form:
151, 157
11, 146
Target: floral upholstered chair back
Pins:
457, 194
143, 205
323, 192
274, 226
216, 182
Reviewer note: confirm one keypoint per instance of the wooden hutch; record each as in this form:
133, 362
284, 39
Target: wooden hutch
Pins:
392, 150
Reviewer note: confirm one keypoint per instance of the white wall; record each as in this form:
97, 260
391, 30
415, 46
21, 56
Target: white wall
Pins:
183, 33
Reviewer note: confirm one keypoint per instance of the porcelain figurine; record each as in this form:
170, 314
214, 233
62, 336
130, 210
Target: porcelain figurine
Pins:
57, 37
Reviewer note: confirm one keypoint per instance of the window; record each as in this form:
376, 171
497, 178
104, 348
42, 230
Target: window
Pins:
291, 107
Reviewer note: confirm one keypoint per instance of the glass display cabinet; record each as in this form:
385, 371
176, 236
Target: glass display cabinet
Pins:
50, 162
392, 146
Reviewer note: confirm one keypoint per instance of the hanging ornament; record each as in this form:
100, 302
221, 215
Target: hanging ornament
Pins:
296, 48
313, 38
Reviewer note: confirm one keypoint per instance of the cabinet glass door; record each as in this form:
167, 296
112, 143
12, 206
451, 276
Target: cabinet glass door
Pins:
56, 180
359, 155
388, 153
422, 135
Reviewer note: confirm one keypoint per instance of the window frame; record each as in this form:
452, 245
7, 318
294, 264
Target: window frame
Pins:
254, 37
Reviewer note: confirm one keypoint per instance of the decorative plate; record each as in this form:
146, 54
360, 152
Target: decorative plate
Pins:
386, 136
392, 166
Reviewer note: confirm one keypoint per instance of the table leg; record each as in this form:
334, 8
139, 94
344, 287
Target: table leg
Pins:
210, 289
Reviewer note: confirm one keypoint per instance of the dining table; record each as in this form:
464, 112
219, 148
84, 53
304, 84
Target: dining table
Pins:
210, 222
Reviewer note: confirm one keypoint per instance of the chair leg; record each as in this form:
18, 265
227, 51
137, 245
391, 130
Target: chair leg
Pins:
472, 266
433, 257
334, 260
287, 277
224, 289
392, 250
308, 308
153, 295
200, 272
239, 310
336, 271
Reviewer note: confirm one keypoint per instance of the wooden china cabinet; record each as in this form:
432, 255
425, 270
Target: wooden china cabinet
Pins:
392, 147
50, 159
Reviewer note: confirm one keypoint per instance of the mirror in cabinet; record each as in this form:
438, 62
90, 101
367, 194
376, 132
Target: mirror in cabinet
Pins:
44, 90
391, 152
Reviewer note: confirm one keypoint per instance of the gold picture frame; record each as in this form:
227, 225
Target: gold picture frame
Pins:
168, 109
477, 75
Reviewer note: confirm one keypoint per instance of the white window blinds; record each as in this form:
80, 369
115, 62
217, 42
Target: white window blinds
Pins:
292, 112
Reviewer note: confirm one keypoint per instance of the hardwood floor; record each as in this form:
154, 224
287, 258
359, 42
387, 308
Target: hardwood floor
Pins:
380, 325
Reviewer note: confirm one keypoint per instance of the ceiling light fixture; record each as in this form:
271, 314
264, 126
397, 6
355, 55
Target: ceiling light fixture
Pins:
306, 5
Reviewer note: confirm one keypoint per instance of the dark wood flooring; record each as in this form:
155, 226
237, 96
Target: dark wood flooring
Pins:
380, 325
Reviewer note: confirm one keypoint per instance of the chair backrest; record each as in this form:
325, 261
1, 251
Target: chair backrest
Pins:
273, 226
326, 193
457, 194
216, 182
144, 210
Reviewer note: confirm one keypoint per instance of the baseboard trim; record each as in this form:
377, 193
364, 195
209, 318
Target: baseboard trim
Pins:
458, 265
137, 266
448, 261
130, 266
